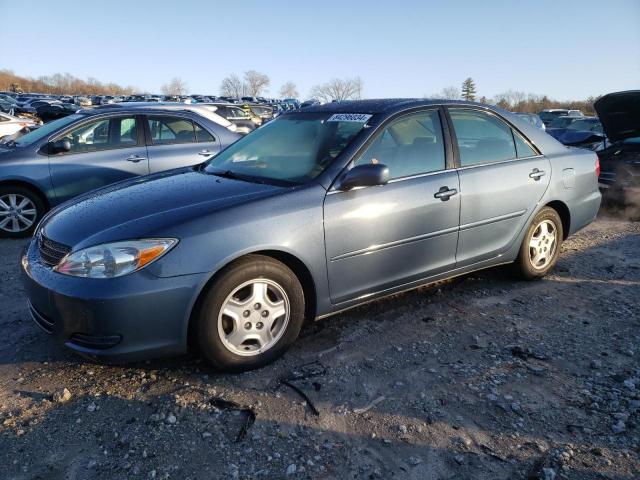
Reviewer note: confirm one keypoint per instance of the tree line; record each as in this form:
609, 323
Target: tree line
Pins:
60, 83
514, 100
254, 84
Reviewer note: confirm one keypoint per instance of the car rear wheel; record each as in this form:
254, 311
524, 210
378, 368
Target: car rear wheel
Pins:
541, 245
20, 211
250, 314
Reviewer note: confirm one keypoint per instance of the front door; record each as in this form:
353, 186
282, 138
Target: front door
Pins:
502, 179
104, 150
382, 237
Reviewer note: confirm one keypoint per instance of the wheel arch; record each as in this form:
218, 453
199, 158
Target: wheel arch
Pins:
565, 216
30, 186
297, 266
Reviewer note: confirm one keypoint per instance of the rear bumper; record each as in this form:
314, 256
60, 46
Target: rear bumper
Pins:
134, 317
584, 210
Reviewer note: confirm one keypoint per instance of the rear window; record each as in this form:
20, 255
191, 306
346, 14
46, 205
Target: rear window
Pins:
167, 129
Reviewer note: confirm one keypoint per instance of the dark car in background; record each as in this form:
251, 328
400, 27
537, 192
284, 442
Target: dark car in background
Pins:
584, 132
317, 211
549, 115
52, 111
533, 119
93, 148
620, 152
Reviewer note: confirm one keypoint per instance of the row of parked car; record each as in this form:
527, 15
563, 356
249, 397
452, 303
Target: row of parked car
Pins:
24, 112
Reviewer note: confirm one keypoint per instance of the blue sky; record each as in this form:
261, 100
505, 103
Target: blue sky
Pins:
567, 49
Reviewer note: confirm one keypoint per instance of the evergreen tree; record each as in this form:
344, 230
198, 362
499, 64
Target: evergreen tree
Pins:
469, 89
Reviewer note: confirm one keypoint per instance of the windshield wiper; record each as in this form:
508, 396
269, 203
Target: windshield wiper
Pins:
235, 176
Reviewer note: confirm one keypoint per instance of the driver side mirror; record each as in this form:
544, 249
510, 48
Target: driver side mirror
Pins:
368, 175
59, 146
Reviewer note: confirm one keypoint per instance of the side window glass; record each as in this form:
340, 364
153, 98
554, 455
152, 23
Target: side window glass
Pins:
89, 136
166, 129
410, 145
125, 130
523, 149
482, 138
203, 135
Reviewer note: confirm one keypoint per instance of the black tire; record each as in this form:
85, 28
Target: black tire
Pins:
238, 273
34, 198
523, 264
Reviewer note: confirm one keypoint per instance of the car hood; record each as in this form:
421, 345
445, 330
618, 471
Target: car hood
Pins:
620, 114
146, 206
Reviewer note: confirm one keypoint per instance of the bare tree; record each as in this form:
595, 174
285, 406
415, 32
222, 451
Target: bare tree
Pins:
339, 89
231, 86
289, 90
449, 93
255, 83
176, 86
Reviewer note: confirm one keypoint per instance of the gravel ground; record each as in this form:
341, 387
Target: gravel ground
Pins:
482, 377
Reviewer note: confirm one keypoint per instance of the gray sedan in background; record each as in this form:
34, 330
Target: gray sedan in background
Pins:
94, 148
317, 211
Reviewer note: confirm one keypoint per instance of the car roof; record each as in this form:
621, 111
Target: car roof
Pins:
386, 105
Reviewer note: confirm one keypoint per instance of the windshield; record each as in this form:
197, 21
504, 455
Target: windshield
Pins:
586, 125
561, 122
551, 115
293, 149
46, 130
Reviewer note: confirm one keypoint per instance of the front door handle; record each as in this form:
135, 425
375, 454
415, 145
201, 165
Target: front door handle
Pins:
135, 158
445, 193
537, 174
205, 153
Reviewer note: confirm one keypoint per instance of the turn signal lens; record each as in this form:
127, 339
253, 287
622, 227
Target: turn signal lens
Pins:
112, 260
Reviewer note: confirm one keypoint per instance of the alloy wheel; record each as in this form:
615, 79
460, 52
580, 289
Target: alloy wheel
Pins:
17, 213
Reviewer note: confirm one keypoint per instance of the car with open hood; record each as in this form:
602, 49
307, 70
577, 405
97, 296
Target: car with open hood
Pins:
319, 210
620, 153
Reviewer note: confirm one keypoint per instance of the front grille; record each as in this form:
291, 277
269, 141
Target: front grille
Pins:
51, 252
44, 322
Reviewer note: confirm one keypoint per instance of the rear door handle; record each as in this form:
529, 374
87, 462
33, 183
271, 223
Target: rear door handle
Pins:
205, 153
445, 193
537, 174
135, 158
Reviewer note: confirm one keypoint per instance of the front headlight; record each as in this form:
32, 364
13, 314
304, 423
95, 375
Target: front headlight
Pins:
112, 260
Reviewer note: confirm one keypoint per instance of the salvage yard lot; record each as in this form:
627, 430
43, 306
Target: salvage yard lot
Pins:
482, 377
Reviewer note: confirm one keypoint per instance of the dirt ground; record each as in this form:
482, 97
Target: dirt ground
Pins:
482, 377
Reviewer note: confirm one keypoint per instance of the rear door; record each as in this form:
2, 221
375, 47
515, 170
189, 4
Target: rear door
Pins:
502, 179
385, 236
103, 151
177, 141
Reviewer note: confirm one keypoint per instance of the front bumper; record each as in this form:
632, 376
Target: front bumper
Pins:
133, 317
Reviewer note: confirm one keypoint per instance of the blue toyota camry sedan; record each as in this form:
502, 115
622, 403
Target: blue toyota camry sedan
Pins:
318, 211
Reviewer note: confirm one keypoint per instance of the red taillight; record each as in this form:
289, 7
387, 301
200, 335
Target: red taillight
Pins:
24, 124
597, 166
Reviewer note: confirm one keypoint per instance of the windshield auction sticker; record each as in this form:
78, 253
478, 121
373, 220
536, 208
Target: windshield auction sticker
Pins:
349, 117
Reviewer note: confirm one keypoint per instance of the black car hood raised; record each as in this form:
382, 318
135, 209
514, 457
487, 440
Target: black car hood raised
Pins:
146, 205
620, 114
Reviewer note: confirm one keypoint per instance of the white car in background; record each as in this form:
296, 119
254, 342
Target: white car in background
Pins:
10, 124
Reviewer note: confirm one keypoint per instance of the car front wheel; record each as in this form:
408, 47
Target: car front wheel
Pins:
20, 211
250, 314
541, 245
